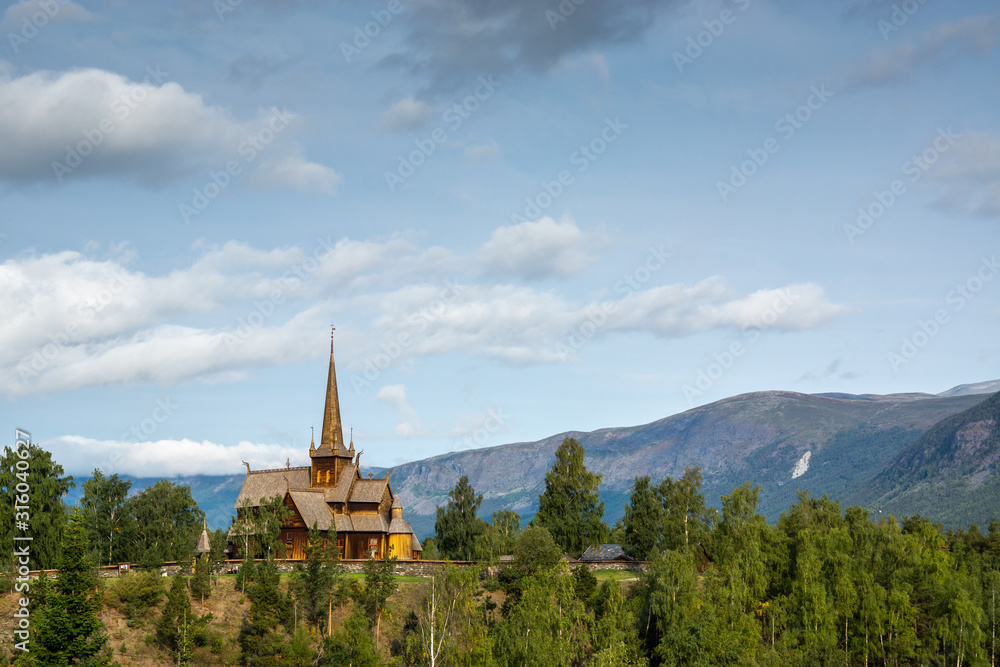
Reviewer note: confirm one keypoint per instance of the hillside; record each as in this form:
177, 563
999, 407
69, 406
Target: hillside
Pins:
783, 441
949, 473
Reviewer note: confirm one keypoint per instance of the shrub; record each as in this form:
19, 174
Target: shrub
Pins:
136, 595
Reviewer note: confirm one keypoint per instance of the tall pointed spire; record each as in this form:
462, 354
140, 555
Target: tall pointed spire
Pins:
332, 437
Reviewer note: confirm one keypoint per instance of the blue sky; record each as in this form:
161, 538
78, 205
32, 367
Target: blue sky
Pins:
522, 217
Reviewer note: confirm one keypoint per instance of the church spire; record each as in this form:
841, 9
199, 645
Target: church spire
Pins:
332, 436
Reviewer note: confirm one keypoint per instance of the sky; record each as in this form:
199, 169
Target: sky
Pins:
522, 217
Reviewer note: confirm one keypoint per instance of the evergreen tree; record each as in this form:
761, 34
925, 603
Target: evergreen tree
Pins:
380, 584
261, 644
570, 508
318, 577
201, 582
66, 628
176, 614
46, 518
457, 527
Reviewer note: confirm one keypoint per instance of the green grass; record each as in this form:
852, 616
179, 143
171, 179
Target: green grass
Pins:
614, 575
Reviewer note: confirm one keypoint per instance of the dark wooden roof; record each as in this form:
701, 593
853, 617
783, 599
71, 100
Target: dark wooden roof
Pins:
341, 492
313, 508
262, 484
369, 490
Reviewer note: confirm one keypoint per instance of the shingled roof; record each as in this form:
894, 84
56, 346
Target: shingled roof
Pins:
369, 490
416, 543
369, 523
313, 508
262, 484
399, 527
341, 492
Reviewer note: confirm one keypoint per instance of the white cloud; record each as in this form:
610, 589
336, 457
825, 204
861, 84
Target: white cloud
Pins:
407, 114
42, 13
168, 458
407, 420
71, 321
152, 131
540, 249
292, 170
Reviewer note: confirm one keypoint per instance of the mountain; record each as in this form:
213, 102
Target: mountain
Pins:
783, 441
989, 387
948, 474
850, 446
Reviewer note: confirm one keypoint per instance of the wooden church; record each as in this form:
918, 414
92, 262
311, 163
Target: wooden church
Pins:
331, 493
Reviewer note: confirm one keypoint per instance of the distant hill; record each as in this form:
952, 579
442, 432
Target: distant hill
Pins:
989, 387
948, 474
783, 441
852, 447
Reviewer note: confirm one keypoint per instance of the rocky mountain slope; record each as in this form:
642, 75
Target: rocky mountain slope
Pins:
852, 447
783, 441
949, 473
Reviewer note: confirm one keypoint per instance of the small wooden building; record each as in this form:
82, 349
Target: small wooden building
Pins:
332, 493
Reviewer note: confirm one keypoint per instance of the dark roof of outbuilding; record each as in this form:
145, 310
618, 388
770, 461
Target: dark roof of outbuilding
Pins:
604, 552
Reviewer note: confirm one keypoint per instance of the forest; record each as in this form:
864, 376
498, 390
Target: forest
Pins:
822, 586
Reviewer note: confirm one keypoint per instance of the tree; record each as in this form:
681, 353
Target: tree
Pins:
446, 606
176, 617
499, 537
686, 519
43, 510
260, 642
351, 646
163, 524
570, 508
217, 541
201, 582
643, 520
380, 584
457, 525
317, 577
66, 629
103, 506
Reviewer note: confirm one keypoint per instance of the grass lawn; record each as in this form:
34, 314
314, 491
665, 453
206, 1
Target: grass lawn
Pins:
614, 575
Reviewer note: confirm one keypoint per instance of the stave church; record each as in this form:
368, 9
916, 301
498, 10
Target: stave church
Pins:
331, 493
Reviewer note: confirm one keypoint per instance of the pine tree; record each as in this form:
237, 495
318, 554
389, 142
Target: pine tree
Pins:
570, 508
260, 642
380, 584
66, 628
176, 612
201, 582
317, 578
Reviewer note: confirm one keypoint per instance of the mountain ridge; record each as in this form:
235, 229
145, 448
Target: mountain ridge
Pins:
784, 441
